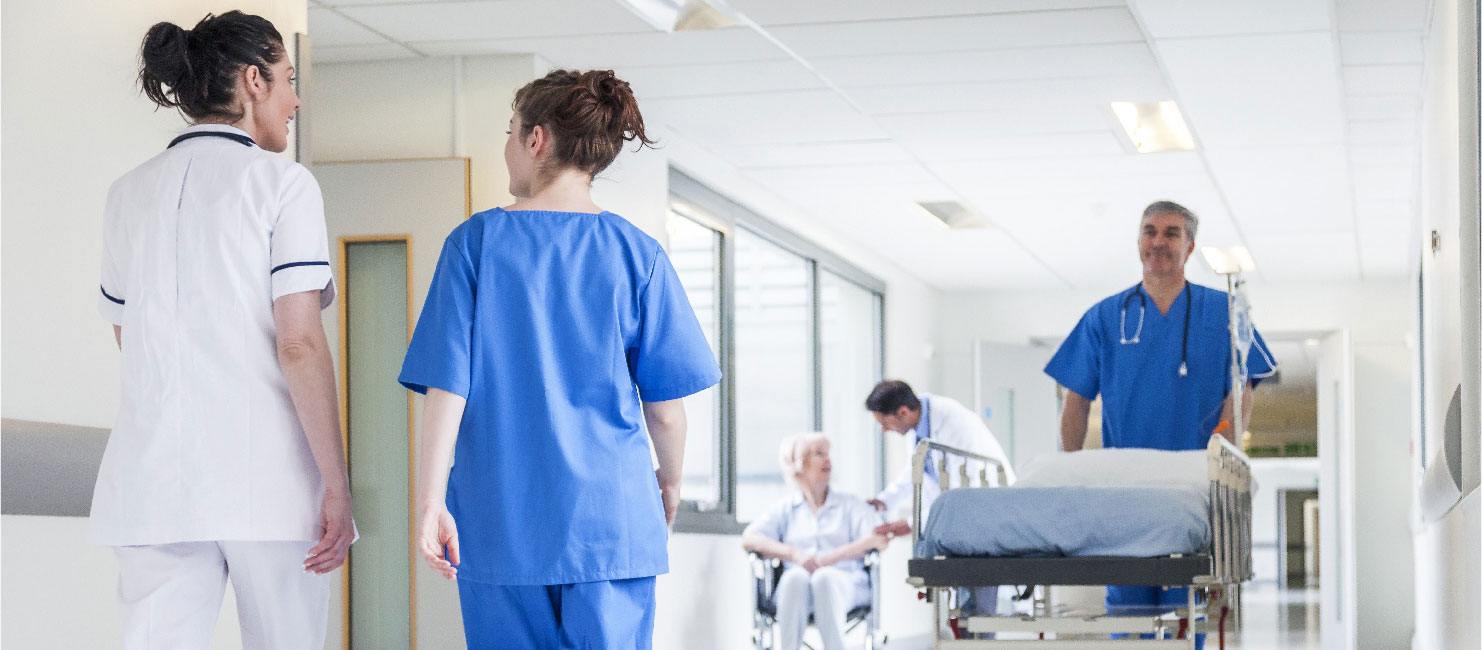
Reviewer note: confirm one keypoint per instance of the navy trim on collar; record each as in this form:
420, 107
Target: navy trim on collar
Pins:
238, 137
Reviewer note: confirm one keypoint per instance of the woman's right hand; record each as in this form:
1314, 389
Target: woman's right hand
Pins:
437, 531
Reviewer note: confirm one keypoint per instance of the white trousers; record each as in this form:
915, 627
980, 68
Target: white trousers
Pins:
171, 595
828, 594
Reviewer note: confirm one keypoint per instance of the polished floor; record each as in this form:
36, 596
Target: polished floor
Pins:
1275, 619
1278, 619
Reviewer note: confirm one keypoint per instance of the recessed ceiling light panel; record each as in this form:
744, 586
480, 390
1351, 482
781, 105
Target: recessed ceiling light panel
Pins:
955, 215
1153, 127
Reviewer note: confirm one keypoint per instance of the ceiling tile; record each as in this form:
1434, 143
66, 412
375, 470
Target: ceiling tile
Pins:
1031, 95
1383, 183
1382, 79
933, 145
1029, 64
1382, 15
653, 82
1382, 132
990, 32
622, 50
790, 12
788, 117
1182, 18
330, 29
825, 153
1299, 100
1382, 48
491, 20
1307, 258
1286, 190
353, 53
971, 125
1382, 107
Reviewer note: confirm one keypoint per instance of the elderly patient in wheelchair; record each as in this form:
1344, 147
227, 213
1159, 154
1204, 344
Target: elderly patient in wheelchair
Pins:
822, 538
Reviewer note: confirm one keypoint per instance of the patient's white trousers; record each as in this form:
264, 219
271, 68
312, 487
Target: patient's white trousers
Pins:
828, 593
170, 595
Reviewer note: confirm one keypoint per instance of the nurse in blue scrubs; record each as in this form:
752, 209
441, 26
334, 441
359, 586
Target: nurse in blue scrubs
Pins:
553, 347
1158, 354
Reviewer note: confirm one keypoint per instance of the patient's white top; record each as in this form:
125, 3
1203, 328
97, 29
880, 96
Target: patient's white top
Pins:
198, 242
843, 518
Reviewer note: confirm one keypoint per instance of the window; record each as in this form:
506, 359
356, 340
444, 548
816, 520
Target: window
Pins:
695, 251
799, 335
774, 366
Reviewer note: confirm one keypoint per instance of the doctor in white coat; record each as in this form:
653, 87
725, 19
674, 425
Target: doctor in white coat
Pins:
939, 419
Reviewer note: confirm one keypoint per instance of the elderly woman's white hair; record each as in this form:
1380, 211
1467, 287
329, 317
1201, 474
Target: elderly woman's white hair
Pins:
790, 453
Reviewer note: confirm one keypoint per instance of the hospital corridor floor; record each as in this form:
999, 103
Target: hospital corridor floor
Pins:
1278, 619
1275, 619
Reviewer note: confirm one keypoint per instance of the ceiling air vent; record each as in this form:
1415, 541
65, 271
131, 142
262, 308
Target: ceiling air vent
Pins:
954, 214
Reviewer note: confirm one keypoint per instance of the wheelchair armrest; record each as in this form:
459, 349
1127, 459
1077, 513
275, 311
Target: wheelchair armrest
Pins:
762, 567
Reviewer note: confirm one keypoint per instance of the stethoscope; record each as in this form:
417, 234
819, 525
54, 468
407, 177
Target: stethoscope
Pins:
238, 137
1142, 301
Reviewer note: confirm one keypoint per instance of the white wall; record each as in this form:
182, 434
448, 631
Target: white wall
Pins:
704, 600
1447, 574
73, 121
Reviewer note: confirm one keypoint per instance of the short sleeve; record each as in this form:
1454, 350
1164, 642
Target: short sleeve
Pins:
112, 292
772, 523
1260, 363
300, 244
1077, 364
669, 357
440, 355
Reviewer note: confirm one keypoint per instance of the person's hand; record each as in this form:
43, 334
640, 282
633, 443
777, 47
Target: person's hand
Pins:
877, 504
812, 563
436, 531
670, 496
897, 528
339, 532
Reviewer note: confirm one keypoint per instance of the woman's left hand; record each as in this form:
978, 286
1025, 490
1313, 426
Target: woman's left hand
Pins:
437, 531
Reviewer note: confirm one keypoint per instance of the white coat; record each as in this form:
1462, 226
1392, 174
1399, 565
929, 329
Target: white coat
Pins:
946, 421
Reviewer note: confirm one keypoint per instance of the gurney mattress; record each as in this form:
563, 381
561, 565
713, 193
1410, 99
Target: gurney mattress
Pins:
1066, 521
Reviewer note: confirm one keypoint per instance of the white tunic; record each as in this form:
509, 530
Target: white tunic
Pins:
843, 519
198, 242
947, 421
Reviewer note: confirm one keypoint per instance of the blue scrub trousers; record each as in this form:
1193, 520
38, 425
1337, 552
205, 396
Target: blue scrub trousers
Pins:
1124, 600
612, 614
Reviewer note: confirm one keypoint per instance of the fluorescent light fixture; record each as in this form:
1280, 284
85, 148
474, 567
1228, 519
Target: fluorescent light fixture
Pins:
1154, 127
682, 15
1225, 261
953, 214
1311, 343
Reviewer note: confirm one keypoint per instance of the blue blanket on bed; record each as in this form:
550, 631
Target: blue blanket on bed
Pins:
1066, 521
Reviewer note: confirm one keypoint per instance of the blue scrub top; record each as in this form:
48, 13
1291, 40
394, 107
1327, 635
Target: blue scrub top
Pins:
1144, 401
553, 325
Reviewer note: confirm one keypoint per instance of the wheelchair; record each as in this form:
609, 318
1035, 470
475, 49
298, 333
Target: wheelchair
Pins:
765, 573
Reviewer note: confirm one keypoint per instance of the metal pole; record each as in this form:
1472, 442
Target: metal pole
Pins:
1237, 383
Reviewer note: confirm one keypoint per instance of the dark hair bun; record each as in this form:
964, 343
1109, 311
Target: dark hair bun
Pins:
196, 70
590, 114
166, 61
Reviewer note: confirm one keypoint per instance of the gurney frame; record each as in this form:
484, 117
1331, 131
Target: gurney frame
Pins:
1216, 575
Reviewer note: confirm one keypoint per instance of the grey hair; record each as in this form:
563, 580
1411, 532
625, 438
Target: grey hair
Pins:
1191, 222
791, 448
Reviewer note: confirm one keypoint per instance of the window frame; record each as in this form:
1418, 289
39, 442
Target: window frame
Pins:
693, 200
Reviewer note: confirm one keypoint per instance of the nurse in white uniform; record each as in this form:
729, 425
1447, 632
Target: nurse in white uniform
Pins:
225, 458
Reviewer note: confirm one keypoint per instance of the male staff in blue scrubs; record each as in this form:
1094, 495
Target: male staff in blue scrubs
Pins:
1159, 356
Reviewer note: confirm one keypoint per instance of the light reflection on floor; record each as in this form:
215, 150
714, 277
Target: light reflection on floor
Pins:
1278, 619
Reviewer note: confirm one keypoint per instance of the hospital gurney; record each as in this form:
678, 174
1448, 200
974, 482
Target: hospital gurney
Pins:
1214, 572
